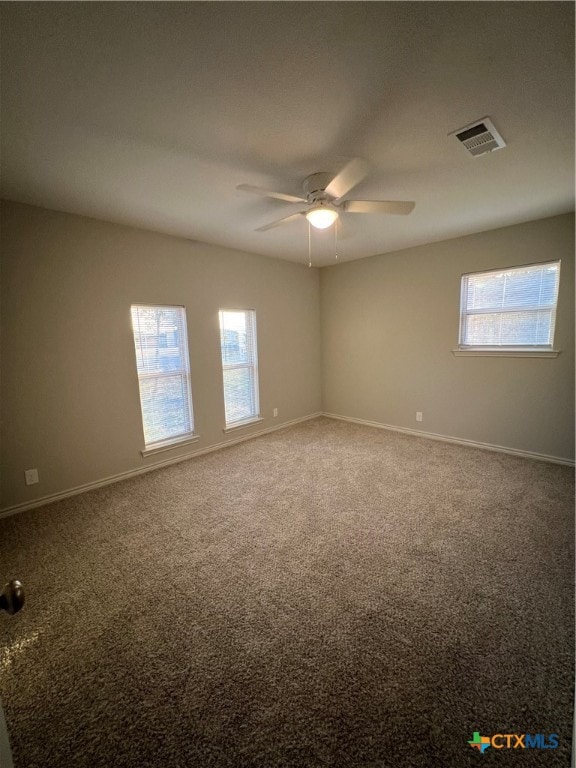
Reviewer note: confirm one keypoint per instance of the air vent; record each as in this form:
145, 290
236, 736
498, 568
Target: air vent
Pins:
480, 137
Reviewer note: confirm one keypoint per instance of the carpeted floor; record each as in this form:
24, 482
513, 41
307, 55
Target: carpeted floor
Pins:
327, 595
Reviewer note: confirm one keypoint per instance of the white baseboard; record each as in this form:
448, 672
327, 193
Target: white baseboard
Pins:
456, 440
148, 468
22, 507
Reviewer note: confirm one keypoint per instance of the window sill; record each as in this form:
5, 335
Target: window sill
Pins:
506, 352
168, 446
241, 424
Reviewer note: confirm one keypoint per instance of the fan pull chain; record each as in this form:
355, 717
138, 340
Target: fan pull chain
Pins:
309, 247
336, 239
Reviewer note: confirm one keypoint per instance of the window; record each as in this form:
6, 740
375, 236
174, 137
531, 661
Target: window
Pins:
510, 309
163, 374
239, 366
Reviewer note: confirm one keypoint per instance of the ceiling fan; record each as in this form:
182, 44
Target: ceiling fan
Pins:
323, 197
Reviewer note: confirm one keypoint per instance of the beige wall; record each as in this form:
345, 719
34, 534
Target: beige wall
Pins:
69, 392
389, 324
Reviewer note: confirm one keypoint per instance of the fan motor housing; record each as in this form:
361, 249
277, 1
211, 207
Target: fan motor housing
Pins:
314, 186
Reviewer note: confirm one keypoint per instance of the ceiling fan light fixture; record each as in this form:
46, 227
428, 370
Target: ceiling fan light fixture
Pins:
321, 217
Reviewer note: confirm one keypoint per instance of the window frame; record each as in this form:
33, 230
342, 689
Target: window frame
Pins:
188, 436
256, 417
519, 350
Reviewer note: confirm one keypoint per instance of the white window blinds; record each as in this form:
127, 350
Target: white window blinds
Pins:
239, 365
163, 373
510, 308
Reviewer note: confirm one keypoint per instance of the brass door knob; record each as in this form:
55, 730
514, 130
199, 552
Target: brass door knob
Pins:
12, 597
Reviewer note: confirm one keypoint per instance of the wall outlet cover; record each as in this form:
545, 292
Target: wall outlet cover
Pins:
31, 476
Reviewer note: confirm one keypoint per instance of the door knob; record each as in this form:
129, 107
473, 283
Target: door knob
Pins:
12, 597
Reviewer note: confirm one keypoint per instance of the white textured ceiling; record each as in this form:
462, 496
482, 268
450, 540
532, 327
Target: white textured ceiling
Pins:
150, 114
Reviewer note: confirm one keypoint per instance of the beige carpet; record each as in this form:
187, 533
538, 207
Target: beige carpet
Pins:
327, 595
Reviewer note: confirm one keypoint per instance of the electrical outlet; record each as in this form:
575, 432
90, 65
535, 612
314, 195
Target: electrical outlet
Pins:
275, 412
418, 415
31, 476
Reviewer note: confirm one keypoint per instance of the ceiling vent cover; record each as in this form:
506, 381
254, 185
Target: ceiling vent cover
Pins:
480, 137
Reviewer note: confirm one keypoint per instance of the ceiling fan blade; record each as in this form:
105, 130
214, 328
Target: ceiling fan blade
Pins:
352, 174
270, 193
402, 207
277, 223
